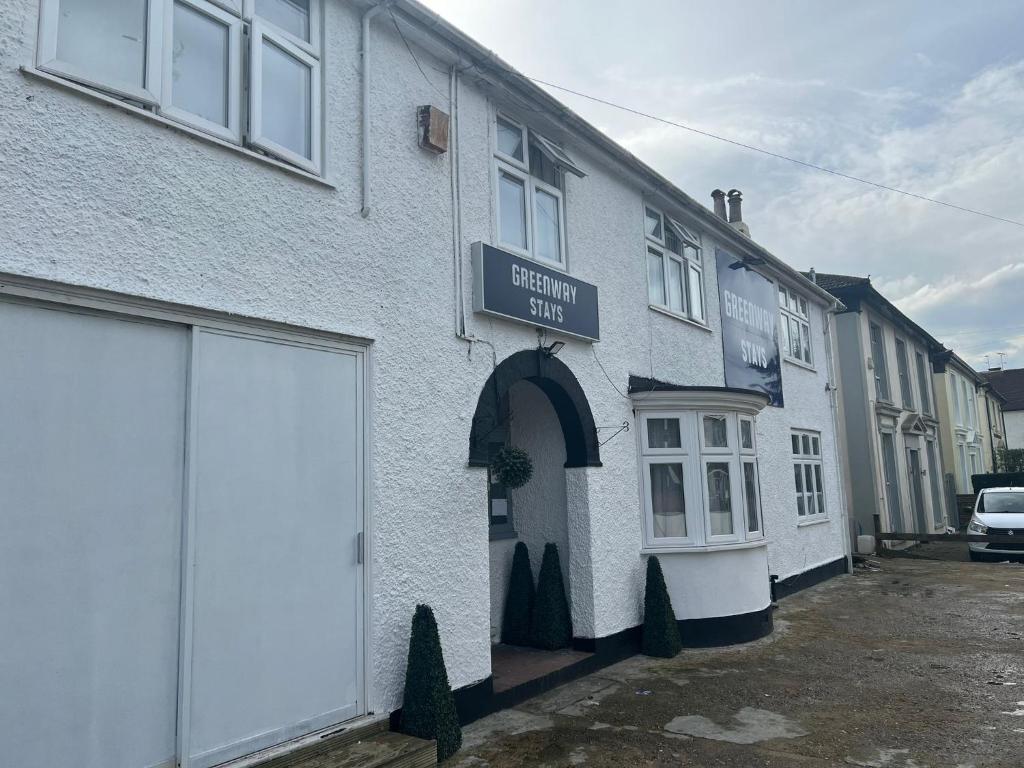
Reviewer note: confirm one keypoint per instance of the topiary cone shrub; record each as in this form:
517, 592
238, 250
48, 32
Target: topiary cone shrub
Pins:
552, 624
428, 706
519, 601
661, 632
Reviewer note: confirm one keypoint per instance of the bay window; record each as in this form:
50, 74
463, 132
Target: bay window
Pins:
699, 477
796, 329
530, 177
675, 271
807, 474
245, 71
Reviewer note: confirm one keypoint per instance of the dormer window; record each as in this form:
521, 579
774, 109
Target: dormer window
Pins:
530, 173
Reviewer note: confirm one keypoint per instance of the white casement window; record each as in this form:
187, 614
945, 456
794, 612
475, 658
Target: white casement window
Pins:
246, 71
796, 325
923, 383
881, 367
903, 371
955, 394
700, 478
807, 474
675, 266
530, 180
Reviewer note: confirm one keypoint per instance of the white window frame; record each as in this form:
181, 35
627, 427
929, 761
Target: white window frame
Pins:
262, 31
746, 459
880, 362
156, 95
736, 499
46, 55
691, 502
312, 46
731, 434
233, 131
923, 385
816, 464
903, 374
802, 319
520, 169
690, 267
695, 457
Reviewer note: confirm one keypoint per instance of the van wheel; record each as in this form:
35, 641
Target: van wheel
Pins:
978, 557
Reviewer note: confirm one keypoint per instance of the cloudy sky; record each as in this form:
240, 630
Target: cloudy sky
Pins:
924, 96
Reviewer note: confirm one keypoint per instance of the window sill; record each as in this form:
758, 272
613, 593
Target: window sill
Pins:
800, 364
815, 521
172, 124
702, 548
677, 316
559, 266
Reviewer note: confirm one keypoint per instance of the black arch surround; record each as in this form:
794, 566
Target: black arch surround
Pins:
555, 380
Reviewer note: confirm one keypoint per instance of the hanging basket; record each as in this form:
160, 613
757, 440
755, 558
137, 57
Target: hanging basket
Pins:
512, 467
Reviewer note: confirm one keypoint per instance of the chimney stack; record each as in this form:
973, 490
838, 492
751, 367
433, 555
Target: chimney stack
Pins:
719, 197
813, 276
736, 212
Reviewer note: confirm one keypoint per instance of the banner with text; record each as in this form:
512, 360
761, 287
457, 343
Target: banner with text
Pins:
750, 328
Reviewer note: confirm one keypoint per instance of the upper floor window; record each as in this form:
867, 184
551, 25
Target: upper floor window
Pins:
246, 71
675, 266
531, 179
879, 363
796, 328
903, 370
955, 390
700, 478
810, 490
923, 383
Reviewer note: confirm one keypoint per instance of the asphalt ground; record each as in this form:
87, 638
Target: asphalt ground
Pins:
915, 661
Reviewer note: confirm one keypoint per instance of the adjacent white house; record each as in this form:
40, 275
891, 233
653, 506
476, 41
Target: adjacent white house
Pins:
266, 320
893, 455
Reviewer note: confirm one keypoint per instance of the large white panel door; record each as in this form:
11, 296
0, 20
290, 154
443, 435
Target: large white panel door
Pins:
92, 418
273, 637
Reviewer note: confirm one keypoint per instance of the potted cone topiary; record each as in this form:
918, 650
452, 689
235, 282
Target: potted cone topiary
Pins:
519, 601
661, 632
552, 624
428, 706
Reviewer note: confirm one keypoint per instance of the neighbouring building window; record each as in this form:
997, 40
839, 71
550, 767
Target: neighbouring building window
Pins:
675, 266
700, 478
530, 176
923, 383
903, 369
807, 473
796, 328
954, 388
962, 455
183, 59
878, 360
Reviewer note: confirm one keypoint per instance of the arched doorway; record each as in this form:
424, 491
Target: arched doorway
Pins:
533, 401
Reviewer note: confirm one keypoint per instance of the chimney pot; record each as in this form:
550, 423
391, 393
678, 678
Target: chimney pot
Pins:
719, 197
735, 206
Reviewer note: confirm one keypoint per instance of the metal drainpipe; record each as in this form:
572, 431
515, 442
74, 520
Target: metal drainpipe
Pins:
364, 56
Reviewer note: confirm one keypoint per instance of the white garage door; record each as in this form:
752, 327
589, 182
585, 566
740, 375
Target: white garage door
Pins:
91, 459
121, 436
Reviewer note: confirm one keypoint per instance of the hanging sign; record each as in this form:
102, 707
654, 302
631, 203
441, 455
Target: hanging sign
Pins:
750, 328
509, 286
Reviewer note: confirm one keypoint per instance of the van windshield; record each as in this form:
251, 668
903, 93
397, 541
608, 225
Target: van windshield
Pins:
1001, 502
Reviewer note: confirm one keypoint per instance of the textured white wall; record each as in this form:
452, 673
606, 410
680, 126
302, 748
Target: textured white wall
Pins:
99, 198
705, 584
794, 546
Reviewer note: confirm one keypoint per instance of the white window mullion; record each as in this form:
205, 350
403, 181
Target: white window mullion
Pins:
278, 127
218, 109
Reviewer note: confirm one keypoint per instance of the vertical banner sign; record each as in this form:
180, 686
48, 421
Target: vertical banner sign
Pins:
750, 328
